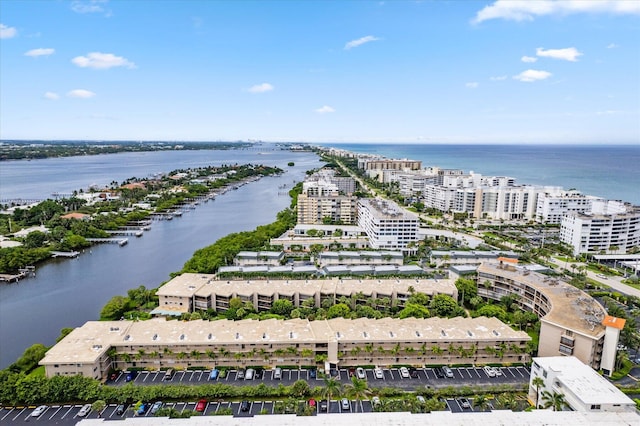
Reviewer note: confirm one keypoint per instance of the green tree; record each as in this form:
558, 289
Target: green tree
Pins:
98, 405
537, 382
414, 310
114, 309
300, 388
35, 239
338, 310
358, 389
31, 356
554, 400
443, 305
467, 289
282, 307
332, 387
492, 311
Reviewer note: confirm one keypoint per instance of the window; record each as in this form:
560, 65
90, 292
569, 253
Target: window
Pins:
595, 406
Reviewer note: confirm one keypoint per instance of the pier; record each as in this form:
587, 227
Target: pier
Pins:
130, 232
65, 254
120, 241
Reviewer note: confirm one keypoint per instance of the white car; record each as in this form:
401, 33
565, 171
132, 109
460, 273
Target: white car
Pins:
489, 371
498, 371
378, 373
421, 399
404, 372
86, 408
38, 411
360, 373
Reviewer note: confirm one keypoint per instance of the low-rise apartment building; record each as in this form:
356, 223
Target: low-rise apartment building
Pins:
251, 258
571, 321
360, 258
583, 388
101, 346
190, 292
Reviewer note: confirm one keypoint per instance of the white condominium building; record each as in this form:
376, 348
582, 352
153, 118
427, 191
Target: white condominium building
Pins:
552, 205
607, 228
386, 224
583, 388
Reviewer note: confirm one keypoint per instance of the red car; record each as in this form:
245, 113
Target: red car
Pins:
201, 405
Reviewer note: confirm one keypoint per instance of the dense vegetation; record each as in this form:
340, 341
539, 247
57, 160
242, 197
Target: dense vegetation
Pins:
17, 150
68, 234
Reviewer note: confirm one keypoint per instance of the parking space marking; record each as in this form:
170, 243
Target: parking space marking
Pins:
58, 408
9, 412
19, 413
200, 377
182, 376
70, 407
459, 372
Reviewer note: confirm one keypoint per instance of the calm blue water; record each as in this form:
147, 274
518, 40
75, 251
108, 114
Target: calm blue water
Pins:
607, 171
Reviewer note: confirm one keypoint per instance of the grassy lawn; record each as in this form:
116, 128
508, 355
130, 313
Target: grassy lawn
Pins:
38, 372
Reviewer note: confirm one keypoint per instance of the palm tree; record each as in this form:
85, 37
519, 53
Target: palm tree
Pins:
554, 400
358, 389
332, 387
481, 402
537, 382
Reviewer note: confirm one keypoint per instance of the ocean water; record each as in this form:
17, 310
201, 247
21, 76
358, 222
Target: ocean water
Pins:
611, 172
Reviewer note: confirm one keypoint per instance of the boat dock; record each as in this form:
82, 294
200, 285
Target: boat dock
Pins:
130, 232
120, 241
65, 253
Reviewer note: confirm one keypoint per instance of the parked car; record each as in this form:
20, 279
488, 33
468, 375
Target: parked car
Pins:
120, 409
360, 373
375, 401
378, 373
86, 408
113, 377
352, 372
404, 372
413, 372
464, 403
38, 411
447, 371
155, 407
421, 399
168, 375
323, 405
131, 375
489, 371
258, 375
498, 371
277, 373
345, 404
312, 374
240, 375
214, 374
244, 406
142, 409
250, 374
201, 405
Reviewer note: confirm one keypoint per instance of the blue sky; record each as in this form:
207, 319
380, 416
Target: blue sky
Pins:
325, 71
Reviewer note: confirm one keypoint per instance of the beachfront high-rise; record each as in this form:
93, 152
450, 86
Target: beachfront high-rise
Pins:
388, 226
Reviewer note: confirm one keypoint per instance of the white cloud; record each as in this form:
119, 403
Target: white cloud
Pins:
39, 52
528, 10
260, 88
498, 78
532, 75
91, 6
102, 61
612, 46
51, 95
568, 54
80, 93
7, 32
359, 42
325, 110
472, 85
528, 59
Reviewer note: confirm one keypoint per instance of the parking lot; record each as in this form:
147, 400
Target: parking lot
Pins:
462, 376
419, 379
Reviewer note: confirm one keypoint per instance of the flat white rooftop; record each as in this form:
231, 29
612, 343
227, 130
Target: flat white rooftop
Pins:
438, 418
584, 382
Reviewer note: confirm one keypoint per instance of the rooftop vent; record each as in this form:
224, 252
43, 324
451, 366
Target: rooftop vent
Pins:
365, 334
237, 336
391, 334
264, 335
291, 335
496, 333
127, 337
210, 336
417, 333
114, 329
338, 334
444, 333
155, 337
469, 333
